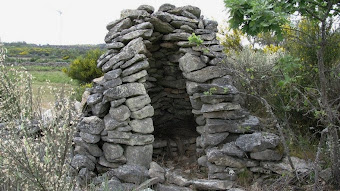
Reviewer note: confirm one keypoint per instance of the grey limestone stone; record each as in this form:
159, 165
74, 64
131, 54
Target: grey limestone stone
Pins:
112, 74
131, 173
160, 26
102, 161
144, 33
232, 150
226, 106
138, 102
143, 126
166, 7
207, 73
81, 161
177, 177
203, 184
156, 171
193, 10
92, 149
120, 113
112, 151
203, 161
148, 8
139, 155
171, 187
125, 90
92, 125
189, 63
100, 109
136, 76
176, 36
145, 112
119, 25
111, 124
232, 126
118, 102
112, 83
217, 157
94, 98
213, 139
136, 58
266, 155
89, 138
135, 68
115, 45
133, 14
257, 142
235, 114
134, 47
115, 134
135, 139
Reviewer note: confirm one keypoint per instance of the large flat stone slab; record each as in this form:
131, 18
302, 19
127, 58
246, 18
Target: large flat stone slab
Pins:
139, 155
207, 73
203, 184
125, 90
135, 139
257, 142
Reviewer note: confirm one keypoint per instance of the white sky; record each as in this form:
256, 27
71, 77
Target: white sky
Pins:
82, 21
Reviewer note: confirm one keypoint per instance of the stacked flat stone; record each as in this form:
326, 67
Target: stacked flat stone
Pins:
155, 79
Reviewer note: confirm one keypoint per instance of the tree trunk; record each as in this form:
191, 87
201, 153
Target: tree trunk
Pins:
329, 120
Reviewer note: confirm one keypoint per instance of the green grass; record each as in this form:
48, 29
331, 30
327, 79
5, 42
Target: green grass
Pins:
45, 78
39, 68
52, 76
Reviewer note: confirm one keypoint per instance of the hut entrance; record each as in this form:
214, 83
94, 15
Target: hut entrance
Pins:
174, 124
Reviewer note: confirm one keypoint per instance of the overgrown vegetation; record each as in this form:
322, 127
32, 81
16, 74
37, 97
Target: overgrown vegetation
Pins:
21, 52
300, 82
34, 148
84, 68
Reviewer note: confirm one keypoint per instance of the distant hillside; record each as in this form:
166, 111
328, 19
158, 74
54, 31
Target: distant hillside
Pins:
23, 53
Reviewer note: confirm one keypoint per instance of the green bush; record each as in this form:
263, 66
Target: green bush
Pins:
84, 69
79, 90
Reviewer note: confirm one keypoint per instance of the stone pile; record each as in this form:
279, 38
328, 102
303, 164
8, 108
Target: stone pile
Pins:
161, 91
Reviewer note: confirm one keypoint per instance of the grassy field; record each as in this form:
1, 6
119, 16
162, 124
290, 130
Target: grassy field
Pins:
47, 80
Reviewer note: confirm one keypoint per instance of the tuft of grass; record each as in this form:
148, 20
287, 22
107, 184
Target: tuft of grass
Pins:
245, 177
304, 147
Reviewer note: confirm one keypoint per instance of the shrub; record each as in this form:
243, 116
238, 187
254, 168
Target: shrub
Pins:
84, 69
15, 94
34, 149
35, 153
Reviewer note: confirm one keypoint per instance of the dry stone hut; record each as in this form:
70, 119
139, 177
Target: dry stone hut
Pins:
164, 98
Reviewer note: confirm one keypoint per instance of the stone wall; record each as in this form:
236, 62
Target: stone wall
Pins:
156, 81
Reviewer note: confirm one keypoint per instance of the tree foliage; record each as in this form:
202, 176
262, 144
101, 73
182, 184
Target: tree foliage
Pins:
256, 16
309, 70
84, 69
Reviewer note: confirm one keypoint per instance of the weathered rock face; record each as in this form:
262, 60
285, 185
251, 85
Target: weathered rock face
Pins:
161, 93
